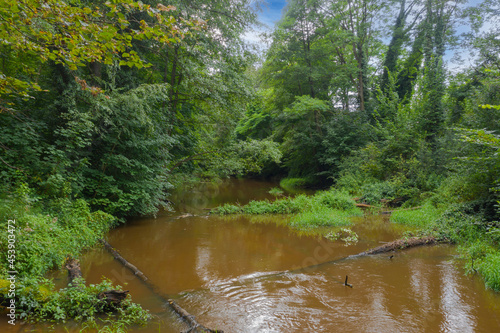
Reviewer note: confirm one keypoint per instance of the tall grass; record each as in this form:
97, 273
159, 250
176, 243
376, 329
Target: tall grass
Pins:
489, 268
327, 208
423, 217
292, 184
322, 216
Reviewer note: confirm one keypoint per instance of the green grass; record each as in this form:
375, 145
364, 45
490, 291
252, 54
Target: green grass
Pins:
489, 268
291, 184
326, 208
332, 200
477, 239
47, 233
423, 217
45, 238
320, 217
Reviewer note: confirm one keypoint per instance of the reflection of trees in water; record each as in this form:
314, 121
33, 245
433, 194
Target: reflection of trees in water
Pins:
209, 195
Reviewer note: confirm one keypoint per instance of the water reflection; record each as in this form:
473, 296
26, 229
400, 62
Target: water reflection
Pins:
456, 312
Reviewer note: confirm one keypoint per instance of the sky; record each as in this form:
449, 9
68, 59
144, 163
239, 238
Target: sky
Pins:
270, 14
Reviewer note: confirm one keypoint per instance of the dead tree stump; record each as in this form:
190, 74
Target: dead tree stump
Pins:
74, 271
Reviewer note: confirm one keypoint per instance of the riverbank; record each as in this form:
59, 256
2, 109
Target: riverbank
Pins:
39, 236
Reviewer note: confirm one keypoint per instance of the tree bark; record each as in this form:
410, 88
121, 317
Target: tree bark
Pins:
74, 270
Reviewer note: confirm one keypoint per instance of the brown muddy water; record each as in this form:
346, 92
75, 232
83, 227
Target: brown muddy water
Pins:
221, 271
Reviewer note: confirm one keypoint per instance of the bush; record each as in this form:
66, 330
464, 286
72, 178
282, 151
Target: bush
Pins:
38, 301
333, 200
373, 193
327, 208
227, 209
291, 184
336, 200
458, 225
489, 268
276, 192
47, 233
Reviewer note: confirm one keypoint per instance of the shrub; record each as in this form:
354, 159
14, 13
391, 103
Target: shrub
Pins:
38, 301
46, 233
227, 209
291, 184
457, 225
373, 193
276, 192
259, 207
44, 241
336, 200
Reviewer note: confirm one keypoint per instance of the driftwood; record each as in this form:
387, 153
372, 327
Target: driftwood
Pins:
400, 244
186, 316
346, 283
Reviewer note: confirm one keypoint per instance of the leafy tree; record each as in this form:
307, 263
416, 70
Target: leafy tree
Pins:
73, 35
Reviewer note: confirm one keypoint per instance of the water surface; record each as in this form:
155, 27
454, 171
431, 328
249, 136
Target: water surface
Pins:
226, 272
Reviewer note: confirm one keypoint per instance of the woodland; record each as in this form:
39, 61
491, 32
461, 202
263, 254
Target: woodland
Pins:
107, 106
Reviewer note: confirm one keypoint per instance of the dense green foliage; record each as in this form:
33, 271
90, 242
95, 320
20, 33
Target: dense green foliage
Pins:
48, 232
41, 302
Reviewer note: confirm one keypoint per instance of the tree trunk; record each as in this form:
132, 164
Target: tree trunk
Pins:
74, 271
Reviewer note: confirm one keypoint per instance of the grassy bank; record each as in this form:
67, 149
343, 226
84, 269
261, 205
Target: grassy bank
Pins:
39, 235
464, 225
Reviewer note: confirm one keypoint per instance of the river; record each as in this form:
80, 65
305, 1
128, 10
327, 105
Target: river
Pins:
222, 269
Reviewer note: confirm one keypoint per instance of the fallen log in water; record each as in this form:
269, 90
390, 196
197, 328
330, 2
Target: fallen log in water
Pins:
362, 205
186, 316
400, 244
112, 297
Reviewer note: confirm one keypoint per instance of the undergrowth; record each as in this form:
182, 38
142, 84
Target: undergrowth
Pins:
48, 232
292, 184
38, 301
45, 233
463, 224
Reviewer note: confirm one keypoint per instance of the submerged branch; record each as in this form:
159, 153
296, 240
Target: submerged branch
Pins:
186, 316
